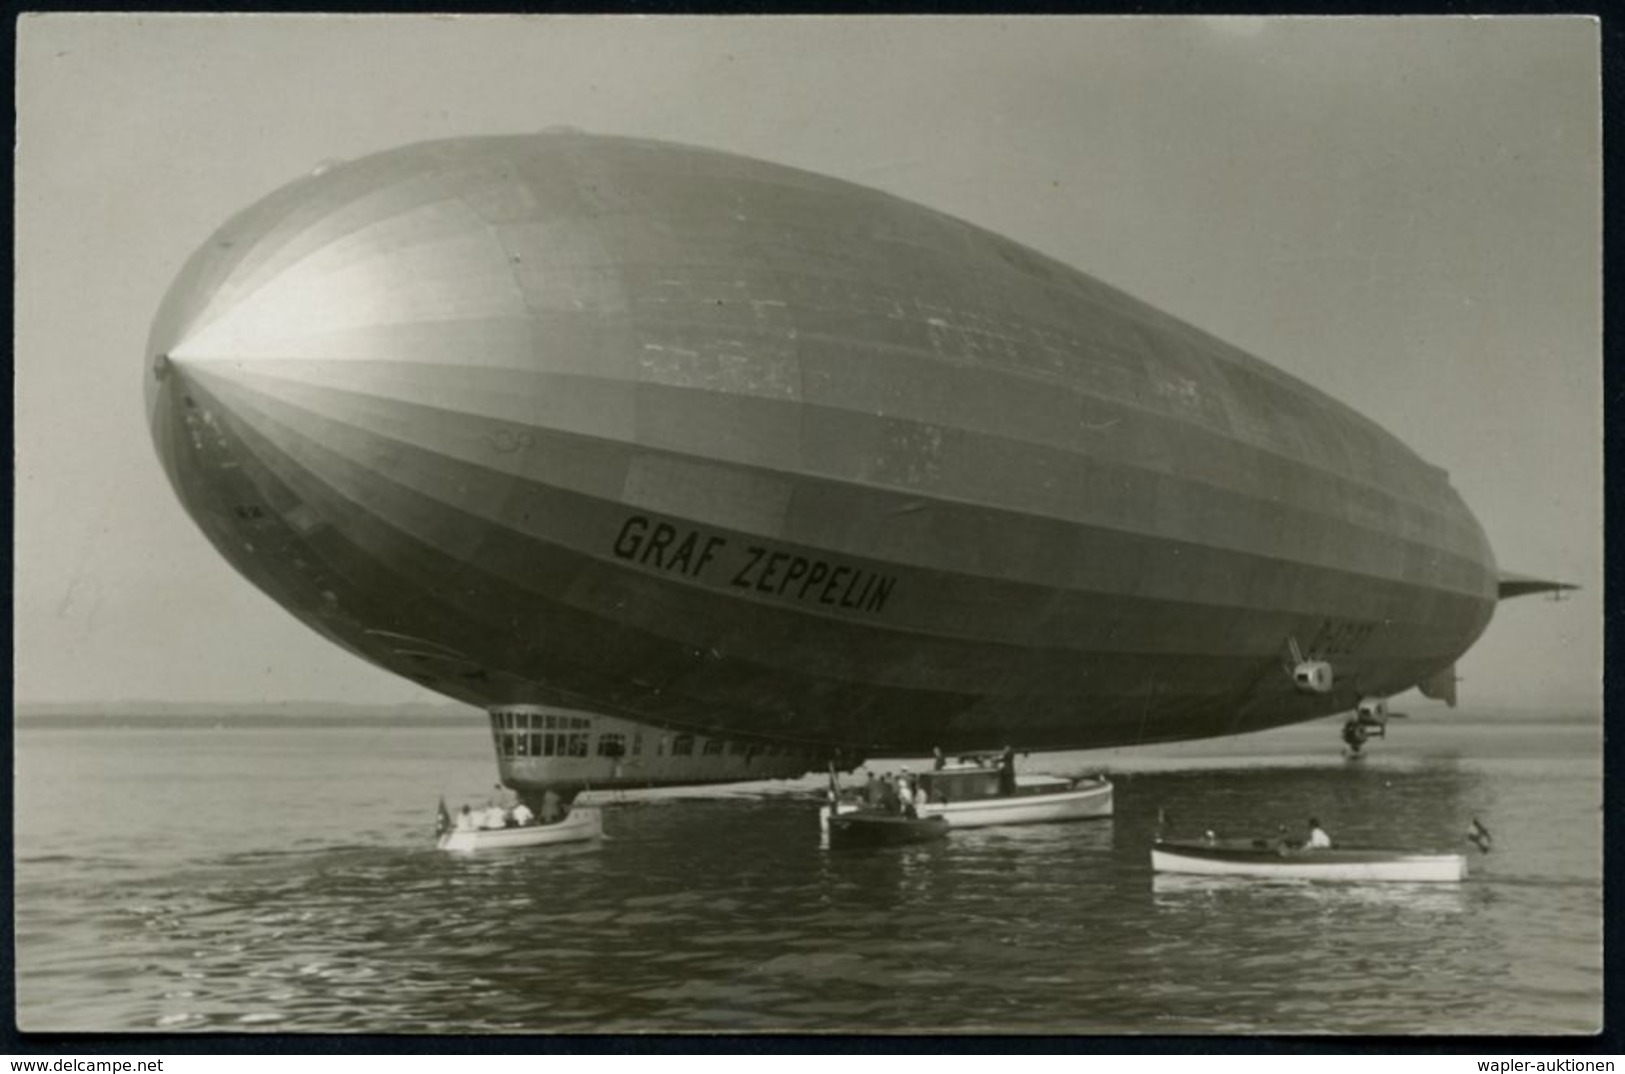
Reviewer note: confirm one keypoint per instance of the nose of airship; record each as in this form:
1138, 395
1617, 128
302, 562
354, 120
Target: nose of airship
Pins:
233, 467
233, 313
162, 386
179, 423
175, 416
301, 338
225, 458
167, 389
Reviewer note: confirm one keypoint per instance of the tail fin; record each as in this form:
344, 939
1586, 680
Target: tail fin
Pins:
1518, 585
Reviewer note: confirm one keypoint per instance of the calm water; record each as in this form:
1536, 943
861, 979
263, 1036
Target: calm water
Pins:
195, 879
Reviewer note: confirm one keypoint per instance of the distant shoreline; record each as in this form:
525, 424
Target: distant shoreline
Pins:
146, 713
234, 721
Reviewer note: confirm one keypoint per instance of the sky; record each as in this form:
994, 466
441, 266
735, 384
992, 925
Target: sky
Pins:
1403, 212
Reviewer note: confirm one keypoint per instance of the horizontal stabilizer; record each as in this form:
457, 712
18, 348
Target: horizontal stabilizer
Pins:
1519, 585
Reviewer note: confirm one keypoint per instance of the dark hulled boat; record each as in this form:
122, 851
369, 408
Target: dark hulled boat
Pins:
875, 828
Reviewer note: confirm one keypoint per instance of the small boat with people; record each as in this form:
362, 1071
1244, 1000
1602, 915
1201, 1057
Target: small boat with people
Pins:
974, 793
504, 828
1246, 858
1283, 860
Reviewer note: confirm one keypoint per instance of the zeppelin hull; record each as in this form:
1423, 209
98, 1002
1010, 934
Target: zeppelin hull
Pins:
711, 444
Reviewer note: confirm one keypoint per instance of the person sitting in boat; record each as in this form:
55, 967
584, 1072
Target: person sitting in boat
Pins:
465, 819
493, 816
1007, 771
521, 815
1318, 839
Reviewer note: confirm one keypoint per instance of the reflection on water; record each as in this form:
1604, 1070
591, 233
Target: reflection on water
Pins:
239, 882
1177, 893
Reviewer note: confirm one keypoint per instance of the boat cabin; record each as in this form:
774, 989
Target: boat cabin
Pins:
959, 784
969, 783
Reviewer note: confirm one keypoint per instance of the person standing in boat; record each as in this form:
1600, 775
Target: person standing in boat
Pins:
1318, 839
1007, 771
552, 810
905, 793
890, 801
938, 761
869, 793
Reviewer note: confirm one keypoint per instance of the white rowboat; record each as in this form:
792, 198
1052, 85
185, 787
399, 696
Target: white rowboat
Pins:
1335, 863
582, 823
968, 796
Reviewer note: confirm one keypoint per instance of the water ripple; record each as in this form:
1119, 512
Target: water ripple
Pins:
706, 914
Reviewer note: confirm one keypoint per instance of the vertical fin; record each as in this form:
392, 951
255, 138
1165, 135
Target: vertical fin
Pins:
1441, 685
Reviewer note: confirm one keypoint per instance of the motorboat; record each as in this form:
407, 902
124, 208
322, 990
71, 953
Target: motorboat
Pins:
971, 797
974, 796
875, 827
1261, 858
579, 825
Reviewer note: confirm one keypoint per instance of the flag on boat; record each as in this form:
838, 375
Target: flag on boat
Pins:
442, 818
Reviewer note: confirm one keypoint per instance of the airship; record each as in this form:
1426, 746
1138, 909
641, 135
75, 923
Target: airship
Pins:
687, 466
